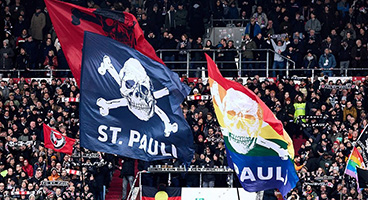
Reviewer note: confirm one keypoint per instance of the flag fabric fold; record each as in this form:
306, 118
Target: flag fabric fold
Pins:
258, 148
70, 21
53, 139
130, 104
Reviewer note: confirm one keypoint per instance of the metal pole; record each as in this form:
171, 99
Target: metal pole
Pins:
169, 179
232, 180
140, 185
267, 63
188, 64
18, 73
240, 64
346, 71
161, 54
287, 69
313, 74
200, 180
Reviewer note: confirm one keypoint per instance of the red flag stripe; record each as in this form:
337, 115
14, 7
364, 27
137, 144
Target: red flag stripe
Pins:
70, 21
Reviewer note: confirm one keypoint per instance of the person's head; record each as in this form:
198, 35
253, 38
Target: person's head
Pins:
358, 43
326, 51
5, 42
252, 20
51, 53
180, 6
259, 9
230, 44
184, 37
313, 16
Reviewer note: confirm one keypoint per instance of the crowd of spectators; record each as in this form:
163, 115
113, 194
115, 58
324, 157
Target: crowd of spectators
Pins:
328, 36
321, 35
320, 161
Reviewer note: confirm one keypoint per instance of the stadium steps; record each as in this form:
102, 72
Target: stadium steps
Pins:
116, 185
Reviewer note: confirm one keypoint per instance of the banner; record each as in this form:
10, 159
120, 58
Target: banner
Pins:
130, 104
169, 193
198, 97
361, 145
362, 177
257, 146
358, 157
70, 99
70, 21
56, 141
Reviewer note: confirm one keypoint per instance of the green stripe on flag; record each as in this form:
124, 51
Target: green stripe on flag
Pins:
259, 150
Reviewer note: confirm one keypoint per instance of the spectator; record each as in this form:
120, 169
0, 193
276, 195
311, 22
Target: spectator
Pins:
38, 22
229, 57
349, 110
297, 23
170, 20
359, 56
327, 62
299, 107
168, 42
344, 56
183, 46
152, 39
51, 62
247, 46
260, 17
285, 26
348, 30
6, 55
343, 7
127, 173
181, 20
278, 61
313, 24
233, 12
252, 29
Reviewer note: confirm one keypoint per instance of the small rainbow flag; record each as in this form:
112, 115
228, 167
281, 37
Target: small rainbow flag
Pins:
355, 160
258, 148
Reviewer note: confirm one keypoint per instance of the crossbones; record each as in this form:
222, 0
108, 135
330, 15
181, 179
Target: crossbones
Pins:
137, 93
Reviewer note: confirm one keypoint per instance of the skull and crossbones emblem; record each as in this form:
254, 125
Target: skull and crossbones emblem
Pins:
137, 93
243, 121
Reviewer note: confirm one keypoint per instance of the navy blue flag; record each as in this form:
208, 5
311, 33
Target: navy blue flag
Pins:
130, 104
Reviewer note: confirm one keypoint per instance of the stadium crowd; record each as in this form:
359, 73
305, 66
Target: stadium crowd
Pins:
321, 35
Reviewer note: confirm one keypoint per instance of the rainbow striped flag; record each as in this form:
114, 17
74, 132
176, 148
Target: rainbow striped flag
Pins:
355, 160
258, 148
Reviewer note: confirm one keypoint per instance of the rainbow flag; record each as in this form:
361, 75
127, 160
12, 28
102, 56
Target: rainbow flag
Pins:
355, 160
258, 148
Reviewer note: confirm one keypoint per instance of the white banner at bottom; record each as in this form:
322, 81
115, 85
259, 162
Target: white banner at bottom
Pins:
216, 193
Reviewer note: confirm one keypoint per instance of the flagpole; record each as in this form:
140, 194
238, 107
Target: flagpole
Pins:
81, 168
354, 147
237, 191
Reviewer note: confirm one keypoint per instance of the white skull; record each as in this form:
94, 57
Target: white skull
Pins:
137, 88
243, 119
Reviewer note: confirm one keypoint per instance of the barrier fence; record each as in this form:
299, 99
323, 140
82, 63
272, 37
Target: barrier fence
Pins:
191, 63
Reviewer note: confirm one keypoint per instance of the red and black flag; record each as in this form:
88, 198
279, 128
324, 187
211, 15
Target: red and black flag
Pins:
362, 177
70, 21
56, 141
169, 193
